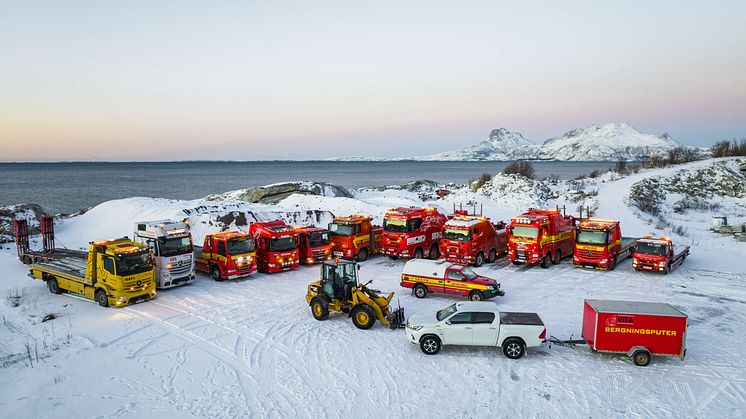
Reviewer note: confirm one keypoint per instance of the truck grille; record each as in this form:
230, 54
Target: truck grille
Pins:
590, 254
179, 271
521, 255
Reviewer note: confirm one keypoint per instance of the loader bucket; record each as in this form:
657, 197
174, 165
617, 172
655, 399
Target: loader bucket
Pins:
396, 318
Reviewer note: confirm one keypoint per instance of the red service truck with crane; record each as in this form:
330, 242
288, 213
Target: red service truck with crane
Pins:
472, 239
657, 254
541, 236
276, 246
412, 232
313, 244
599, 244
226, 255
355, 237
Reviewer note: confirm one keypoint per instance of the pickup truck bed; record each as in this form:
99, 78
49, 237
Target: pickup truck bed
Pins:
518, 318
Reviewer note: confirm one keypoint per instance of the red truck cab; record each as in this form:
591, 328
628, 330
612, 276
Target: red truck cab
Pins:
412, 232
276, 246
599, 244
472, 239
541, 236
355, 237
226, 255
313, 244
657, 254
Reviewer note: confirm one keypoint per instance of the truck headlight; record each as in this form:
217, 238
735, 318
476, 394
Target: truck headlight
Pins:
491, 287
122, 299
413, 327
634, 262
662, 264
240, 259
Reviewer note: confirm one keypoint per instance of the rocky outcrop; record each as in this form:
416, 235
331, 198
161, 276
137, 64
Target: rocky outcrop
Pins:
272, 194
30, 212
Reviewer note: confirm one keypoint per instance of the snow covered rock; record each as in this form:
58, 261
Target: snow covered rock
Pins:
272, 194
30, 212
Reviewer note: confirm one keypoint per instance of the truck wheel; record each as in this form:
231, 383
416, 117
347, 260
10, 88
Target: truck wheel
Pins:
54, 287
545, 261
434, 253
476, 296
667, 269
420, 291
363, 255
613, 263
513, 348
641, 358
418, 253
319, 310
101, 298
363, 316
492, 256
557, 257
480, 260
215, 272
430, 345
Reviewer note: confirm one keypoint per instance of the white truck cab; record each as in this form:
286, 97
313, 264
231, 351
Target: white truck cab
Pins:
476, 324
171, 244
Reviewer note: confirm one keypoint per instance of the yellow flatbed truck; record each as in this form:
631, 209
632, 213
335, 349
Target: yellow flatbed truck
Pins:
114, 272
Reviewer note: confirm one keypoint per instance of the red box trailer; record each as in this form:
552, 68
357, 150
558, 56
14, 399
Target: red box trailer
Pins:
637, 329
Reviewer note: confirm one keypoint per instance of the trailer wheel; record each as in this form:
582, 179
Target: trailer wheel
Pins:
420, 291
480, 260
418, 253
434, 253
215, 272
476, 296
545, 261
319, 309
641, 358
101, 298
430, 344
513, 348
363, 316
492, 256
362, 256
54, 287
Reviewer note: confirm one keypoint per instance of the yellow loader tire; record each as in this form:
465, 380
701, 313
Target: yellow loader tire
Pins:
363, 316
319, 309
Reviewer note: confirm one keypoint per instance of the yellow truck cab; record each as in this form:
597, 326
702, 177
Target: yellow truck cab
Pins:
114, 272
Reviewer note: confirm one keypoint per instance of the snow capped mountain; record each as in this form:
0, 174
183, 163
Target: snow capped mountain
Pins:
501, 145
615, 141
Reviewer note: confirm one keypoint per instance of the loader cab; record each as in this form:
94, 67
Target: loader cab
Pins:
338, 279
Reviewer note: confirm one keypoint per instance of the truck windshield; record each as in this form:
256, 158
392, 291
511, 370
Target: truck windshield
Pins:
592, 237
525, 232
134, 263
456, 234
343, 230
469, 274
395, 226
444, 313
658, 249
174, 246
318, 238
241, 246
281, 244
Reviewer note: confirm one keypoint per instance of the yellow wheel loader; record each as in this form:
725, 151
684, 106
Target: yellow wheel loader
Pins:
338, 290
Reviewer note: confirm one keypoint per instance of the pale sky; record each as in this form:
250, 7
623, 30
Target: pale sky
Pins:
196, 80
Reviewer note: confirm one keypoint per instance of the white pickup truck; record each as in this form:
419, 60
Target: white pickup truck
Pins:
476, 324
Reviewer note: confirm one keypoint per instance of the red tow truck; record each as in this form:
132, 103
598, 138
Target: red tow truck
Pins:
355, 237
276, 246
412, 232
226, 255
599, 244
313, 244
541, 236
657, 254
472, 239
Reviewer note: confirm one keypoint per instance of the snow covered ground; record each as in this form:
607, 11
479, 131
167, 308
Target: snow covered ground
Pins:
251, 347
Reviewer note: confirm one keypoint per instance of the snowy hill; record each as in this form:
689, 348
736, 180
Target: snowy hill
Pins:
616, 141
501, 145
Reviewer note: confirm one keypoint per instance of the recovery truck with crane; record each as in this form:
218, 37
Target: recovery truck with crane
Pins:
115, 272
226, 255
412, 232
472, 239
599, 244
276, 246
313, 244
171, 244
657, 254
339, 290
355, 237
541, 236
